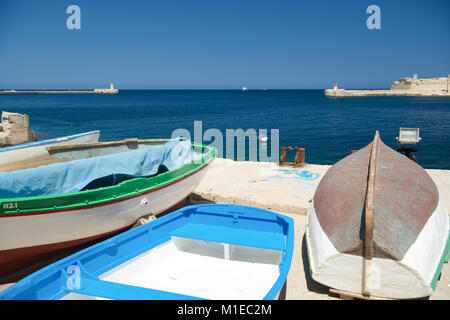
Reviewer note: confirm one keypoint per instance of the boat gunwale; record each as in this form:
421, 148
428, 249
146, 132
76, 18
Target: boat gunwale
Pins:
106, 195
97, 145
48, 141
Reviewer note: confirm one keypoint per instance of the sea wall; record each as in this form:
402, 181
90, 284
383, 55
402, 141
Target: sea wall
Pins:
422, 85
367, 93
402, 87
99, 91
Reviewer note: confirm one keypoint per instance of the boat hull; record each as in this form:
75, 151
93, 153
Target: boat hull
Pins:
377, 226
31, 235
35, 154
415, 276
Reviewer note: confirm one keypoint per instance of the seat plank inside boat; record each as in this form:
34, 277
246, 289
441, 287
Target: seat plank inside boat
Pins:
105, 289
246, 237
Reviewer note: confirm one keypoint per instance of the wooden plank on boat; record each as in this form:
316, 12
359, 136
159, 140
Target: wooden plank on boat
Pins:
368, 212
345, 295
105, 144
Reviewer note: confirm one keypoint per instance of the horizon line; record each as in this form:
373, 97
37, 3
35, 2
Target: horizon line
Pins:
183, 89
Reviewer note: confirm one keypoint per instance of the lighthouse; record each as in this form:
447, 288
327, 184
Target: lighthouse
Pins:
335, 91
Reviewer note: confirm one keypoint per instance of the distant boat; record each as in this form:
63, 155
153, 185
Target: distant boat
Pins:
212, 251
90, 191
24, 155
244, 88
377, 226
263, 138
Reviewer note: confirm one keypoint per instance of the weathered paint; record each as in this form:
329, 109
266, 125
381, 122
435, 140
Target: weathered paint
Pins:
339, 201
405, 197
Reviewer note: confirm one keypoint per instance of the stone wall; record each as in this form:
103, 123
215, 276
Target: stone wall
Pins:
15, 129
422, 85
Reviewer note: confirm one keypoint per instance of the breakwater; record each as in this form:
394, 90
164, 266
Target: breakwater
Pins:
110, 90
54, 92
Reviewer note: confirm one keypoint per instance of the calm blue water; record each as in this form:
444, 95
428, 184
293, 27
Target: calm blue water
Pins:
327, 127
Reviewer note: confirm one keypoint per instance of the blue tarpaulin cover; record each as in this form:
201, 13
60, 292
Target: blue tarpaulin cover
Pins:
75, 175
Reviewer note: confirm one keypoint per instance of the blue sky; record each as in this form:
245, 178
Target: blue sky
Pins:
221, 44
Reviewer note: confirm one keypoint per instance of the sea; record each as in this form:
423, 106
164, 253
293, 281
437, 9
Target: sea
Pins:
328, 128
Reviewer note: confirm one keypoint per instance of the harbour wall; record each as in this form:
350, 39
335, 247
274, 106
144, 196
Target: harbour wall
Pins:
56, 92
367, 93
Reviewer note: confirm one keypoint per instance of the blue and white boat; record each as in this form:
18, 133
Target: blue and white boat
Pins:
34, 154
212, 251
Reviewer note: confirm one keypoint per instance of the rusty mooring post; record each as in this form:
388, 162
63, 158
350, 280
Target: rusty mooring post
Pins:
299, 159
283, 155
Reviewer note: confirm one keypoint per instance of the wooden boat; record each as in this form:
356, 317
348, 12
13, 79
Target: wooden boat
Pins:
212, 251
43, 212
377, 227
24, 155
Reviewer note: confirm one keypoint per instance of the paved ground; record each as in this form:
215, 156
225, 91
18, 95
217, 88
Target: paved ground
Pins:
261, 184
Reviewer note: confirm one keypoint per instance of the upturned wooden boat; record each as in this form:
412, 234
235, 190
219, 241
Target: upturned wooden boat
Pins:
377, 227
34, 153
198, 252
92, 191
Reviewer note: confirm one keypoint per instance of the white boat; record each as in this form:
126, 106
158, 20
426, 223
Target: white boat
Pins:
377, 226
263, 138
34, 153
244, 88
91, 191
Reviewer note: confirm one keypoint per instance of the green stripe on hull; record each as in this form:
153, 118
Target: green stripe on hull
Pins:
122, 191
444, 258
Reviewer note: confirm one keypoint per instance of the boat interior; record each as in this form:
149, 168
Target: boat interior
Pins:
74, 168
73, 152
182, 268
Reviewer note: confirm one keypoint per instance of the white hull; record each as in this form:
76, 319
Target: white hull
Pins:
409, 278
16, 155
49, 228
